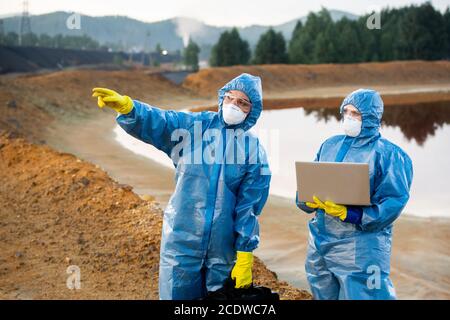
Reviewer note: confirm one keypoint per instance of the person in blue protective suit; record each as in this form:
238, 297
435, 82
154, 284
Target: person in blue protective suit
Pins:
210, 225
349, 247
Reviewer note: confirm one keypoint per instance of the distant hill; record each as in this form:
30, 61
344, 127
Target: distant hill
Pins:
131, 33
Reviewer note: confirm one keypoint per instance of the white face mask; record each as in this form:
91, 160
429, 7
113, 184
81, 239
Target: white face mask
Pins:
352, 127
232, 114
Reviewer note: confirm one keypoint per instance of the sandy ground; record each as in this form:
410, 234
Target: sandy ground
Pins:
56, 109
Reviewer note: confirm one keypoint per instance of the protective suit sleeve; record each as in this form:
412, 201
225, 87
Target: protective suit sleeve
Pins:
354, 214
251, 198
391, 193
153, 125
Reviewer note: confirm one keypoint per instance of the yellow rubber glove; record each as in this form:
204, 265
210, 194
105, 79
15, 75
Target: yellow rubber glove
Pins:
331, 208
242, 270
113, 100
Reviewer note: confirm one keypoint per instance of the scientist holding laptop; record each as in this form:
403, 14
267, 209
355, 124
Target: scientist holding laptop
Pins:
349, 247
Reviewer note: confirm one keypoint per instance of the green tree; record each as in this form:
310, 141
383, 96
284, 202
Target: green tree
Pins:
57, 41
324, 50
158, 48
393, 44
10, 39
190, 55
295, 48
412, 32
46, 41
369, 40
446, 19
230, 50
424, 30
73, 42
271, 48
303, 47
346, 43
29, 39
118, 59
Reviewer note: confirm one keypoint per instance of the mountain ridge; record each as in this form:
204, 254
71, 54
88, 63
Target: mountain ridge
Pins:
129, 34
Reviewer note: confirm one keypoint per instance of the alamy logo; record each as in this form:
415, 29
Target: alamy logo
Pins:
73, 22
74, 279
374, 20
374, 280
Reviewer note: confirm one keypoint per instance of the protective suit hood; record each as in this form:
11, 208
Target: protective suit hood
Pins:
370, 105
251, 86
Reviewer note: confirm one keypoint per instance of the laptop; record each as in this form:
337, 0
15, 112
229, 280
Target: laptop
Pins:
344, 183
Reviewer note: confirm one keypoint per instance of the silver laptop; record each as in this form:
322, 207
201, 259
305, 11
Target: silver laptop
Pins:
341, 182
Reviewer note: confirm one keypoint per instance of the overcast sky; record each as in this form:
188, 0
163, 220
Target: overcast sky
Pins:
213, 12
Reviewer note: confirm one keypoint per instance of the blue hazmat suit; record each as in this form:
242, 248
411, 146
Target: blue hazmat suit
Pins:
213, 212
351, 259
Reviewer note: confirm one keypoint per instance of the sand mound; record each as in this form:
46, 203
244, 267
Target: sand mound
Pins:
57, 211
29, 103
296, 77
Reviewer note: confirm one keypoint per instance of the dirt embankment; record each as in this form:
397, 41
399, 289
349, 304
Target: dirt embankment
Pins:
29, 103
57, 211
281, 78
324, 85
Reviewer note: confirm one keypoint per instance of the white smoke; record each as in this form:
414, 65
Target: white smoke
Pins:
187, 27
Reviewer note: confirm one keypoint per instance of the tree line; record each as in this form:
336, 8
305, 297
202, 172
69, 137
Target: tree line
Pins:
408, 33
57, 41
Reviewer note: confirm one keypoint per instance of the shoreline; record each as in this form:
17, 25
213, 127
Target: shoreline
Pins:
331, 97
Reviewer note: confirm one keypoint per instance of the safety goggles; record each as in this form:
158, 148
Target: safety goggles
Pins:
244, 104
354, 114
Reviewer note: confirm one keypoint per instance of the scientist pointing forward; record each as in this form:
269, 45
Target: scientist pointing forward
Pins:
210, 225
